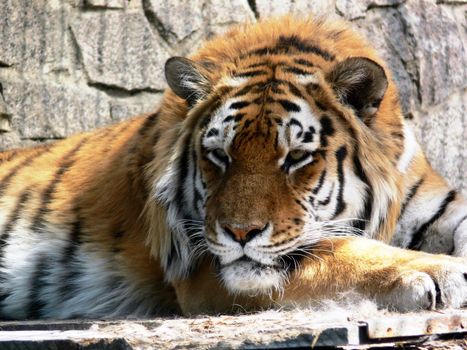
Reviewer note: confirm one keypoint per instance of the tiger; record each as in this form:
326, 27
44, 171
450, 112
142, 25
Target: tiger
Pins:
278, 170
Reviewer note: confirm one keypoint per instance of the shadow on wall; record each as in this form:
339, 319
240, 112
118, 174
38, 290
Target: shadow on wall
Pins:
73, 65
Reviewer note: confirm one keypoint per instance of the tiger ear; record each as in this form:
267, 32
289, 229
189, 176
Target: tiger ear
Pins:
360, 83
186, 79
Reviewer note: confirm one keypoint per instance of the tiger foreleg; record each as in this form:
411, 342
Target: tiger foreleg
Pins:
400, 279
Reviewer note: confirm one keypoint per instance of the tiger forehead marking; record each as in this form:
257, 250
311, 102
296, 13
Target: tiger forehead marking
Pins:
297, 126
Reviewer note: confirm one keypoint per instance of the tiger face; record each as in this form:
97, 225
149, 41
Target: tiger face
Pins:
262, 177
257, 170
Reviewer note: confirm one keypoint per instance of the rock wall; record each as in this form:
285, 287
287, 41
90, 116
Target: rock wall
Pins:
72, 65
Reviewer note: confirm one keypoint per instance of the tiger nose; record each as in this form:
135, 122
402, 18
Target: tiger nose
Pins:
244, 233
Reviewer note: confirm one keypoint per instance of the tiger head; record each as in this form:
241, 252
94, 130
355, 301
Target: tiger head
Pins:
275, 154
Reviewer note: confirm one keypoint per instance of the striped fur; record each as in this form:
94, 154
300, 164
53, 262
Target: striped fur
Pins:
264, 160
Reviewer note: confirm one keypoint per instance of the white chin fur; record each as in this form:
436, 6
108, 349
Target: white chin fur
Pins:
249, 277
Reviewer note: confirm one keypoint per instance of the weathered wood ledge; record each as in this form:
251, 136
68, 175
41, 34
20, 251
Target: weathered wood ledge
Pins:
265, 330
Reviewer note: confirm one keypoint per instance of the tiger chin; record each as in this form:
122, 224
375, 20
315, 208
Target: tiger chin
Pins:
278, 170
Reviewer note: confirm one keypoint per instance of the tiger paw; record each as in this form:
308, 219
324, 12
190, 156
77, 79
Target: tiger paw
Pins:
428, 286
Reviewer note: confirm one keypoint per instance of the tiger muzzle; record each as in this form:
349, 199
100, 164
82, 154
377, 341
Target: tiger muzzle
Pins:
242, 233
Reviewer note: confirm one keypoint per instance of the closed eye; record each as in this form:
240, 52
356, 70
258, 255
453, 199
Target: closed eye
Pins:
219, 157
296, 159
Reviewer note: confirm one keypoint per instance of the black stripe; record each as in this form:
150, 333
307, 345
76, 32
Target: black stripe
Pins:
294, 121
397, 134
303, 62
247, 123
259, 64
173, 254
277, 90
327, 129
183, 165
412, 193
228, 119
239, 104
68, 260
341, 154
321, 106
13, 219
308, 136
261, 52
296, 70
438, 298
320, 182
294, 90
250, 74
328, 198
5, 182
301, 205
9, 225
3, 295
278, 121
259, 100
289, 106
303, 46
114, 133
15, 215
244, 90
212, 132
239, 116
148, 123
7, 156
205, 121
368, 206
117, 234
197, 198
285, 44
276, 139
36, 304
417, 237
46, 197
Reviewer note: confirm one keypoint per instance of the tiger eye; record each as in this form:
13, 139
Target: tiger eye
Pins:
219, 153
297, 154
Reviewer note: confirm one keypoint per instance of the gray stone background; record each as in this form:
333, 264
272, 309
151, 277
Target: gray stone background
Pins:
73, 65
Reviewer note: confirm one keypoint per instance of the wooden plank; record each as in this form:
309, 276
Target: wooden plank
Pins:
418, 324
254, 331
272, 330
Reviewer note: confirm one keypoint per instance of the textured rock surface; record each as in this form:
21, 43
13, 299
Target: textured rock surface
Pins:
33, 35
443, 132
72, 65
47, 110
439, 51
165, 14
109, 4
119, 49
